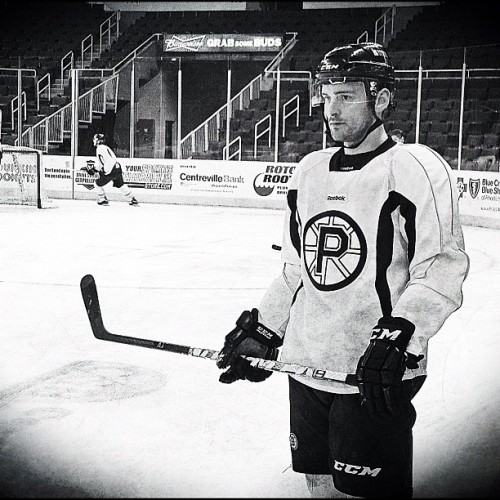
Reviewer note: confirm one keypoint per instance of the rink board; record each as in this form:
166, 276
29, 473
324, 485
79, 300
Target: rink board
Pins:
235, 183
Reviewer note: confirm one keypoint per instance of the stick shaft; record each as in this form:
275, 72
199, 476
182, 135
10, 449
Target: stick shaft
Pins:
91, 300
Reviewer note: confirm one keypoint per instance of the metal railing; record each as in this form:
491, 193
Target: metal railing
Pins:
67, 64
225, 150
209, 131
15, 107
267, 130
54, 127
136, 52
87, 47
42, 86
363, 37
387, 18
288, 76
105, 29
295, 110
381, 26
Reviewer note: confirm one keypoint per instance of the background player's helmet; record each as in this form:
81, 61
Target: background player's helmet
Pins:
98, 139
366, 62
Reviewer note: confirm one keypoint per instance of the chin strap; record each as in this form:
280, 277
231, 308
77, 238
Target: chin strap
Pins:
372, 127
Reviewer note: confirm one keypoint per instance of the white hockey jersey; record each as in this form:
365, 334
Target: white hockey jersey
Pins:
365, 236
106, 159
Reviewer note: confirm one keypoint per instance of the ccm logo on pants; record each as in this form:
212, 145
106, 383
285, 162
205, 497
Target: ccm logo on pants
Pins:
359, 470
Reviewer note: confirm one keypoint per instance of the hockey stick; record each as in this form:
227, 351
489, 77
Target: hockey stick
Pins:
91, 300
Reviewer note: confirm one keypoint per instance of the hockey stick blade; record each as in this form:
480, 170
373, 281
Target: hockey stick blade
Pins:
91, 300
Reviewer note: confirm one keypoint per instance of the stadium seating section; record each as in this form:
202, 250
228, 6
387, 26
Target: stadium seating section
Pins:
38, 35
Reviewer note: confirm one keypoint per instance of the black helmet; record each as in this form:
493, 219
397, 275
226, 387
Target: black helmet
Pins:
366, 62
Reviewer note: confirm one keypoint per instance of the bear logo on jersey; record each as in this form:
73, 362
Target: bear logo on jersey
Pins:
334, 250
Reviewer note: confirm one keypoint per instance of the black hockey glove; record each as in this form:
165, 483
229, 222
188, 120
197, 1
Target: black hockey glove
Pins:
380, 370
249, 338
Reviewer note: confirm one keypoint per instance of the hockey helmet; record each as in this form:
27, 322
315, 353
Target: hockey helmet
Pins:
98, 139
365, 62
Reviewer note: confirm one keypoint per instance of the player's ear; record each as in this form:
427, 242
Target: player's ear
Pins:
382, 101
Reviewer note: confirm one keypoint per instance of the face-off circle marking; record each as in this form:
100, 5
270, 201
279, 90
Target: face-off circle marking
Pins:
334, 250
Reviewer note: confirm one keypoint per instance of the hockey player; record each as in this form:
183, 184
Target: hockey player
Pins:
109, 170
373, 264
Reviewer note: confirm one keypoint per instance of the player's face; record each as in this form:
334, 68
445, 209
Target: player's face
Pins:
347, 111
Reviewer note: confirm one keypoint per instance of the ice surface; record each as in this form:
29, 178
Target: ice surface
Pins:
83, 417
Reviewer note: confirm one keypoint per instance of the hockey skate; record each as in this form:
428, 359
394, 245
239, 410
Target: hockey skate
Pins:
103, 202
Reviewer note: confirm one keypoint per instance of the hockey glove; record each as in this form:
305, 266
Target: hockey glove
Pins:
249, 338
380, 370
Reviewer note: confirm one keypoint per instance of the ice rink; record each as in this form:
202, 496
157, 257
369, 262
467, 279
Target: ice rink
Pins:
80, 417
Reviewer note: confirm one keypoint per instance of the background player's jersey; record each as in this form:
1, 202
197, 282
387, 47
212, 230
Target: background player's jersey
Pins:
353, 228
106, 159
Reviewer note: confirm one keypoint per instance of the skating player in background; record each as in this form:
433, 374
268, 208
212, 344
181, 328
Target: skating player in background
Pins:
373, 264
109, 170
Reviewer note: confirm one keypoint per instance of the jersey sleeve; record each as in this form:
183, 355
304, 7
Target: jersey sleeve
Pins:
438, 264
275, 306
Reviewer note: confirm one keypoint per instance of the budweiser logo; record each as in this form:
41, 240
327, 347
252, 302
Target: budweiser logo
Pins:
182, 43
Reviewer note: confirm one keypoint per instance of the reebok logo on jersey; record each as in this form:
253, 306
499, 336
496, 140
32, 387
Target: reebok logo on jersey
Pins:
336, 197
384, 333
358, 470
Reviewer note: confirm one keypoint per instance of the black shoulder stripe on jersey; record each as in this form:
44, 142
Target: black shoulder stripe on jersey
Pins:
294, 225
297, 292
385, 241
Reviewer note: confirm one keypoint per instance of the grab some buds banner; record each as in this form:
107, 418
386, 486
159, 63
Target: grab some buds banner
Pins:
222, 43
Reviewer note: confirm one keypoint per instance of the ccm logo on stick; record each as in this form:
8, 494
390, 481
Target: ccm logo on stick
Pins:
359, 470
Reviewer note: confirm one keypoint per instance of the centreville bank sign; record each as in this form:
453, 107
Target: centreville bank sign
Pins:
222, 43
